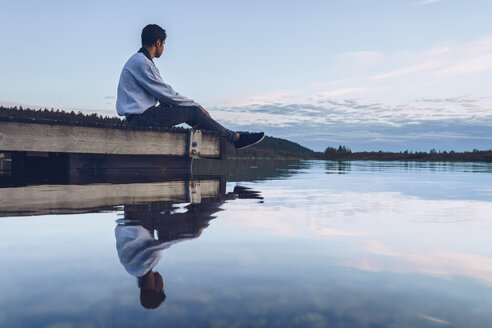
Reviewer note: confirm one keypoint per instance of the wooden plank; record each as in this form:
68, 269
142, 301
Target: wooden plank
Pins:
59, 199
210, 145
22, 136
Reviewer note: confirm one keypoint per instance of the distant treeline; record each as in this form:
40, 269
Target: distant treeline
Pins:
270, 148
57, 115
343, 153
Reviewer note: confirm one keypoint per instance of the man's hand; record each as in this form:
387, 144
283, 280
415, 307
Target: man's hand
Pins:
203, 109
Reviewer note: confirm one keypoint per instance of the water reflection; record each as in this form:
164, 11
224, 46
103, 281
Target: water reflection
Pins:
368, 244
51, 170
406, 166
339, 167
148, 229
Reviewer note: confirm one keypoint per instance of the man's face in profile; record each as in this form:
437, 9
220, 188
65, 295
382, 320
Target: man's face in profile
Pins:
160, 48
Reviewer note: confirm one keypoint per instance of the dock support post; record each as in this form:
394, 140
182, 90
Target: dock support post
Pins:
194, 143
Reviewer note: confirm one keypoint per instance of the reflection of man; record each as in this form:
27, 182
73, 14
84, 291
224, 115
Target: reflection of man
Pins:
140, 251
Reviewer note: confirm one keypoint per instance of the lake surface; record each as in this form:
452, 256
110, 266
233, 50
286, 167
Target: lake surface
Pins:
305, 244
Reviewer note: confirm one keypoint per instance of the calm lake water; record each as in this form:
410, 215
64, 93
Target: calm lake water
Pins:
305, 244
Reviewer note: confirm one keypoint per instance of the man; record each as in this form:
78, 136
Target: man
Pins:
146, 100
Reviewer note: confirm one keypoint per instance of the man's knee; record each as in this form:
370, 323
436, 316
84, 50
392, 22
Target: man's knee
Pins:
196, 113
195, 109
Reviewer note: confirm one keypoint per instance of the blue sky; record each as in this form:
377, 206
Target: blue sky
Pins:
390, 75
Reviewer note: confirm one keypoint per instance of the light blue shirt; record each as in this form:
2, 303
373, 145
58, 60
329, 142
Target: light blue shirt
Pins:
141, 87
138, 250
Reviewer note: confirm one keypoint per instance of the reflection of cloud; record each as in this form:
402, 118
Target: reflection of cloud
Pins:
427, 317
382, 230
431, 260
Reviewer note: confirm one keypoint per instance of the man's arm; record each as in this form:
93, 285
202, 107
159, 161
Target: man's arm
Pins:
150, 79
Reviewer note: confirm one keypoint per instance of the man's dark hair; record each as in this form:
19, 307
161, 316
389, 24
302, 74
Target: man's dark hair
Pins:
151, 33
150, 299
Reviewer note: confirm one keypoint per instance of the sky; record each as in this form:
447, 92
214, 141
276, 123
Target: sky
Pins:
370, 75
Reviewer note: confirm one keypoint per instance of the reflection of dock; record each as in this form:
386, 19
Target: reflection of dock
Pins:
60, 199
39, 145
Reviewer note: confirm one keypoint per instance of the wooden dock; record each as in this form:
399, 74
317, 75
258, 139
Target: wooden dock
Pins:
41, 145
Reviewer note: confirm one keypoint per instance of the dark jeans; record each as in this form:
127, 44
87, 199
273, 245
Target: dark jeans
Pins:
165, 116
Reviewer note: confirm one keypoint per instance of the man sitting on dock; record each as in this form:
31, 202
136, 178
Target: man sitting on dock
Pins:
146, 100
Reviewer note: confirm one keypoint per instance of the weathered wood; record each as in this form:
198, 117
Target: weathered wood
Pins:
59, 199
194, 144
211, 145
22, 136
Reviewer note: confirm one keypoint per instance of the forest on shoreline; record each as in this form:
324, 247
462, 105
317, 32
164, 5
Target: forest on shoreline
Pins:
343, 153
270, 148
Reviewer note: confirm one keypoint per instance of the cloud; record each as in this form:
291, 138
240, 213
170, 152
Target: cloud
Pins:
428, 2
453, 100
472, 65
326, 110
274, 97
454, 123
365, 58
341, 92
408, 70
391, 78
391, 101
444, 61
